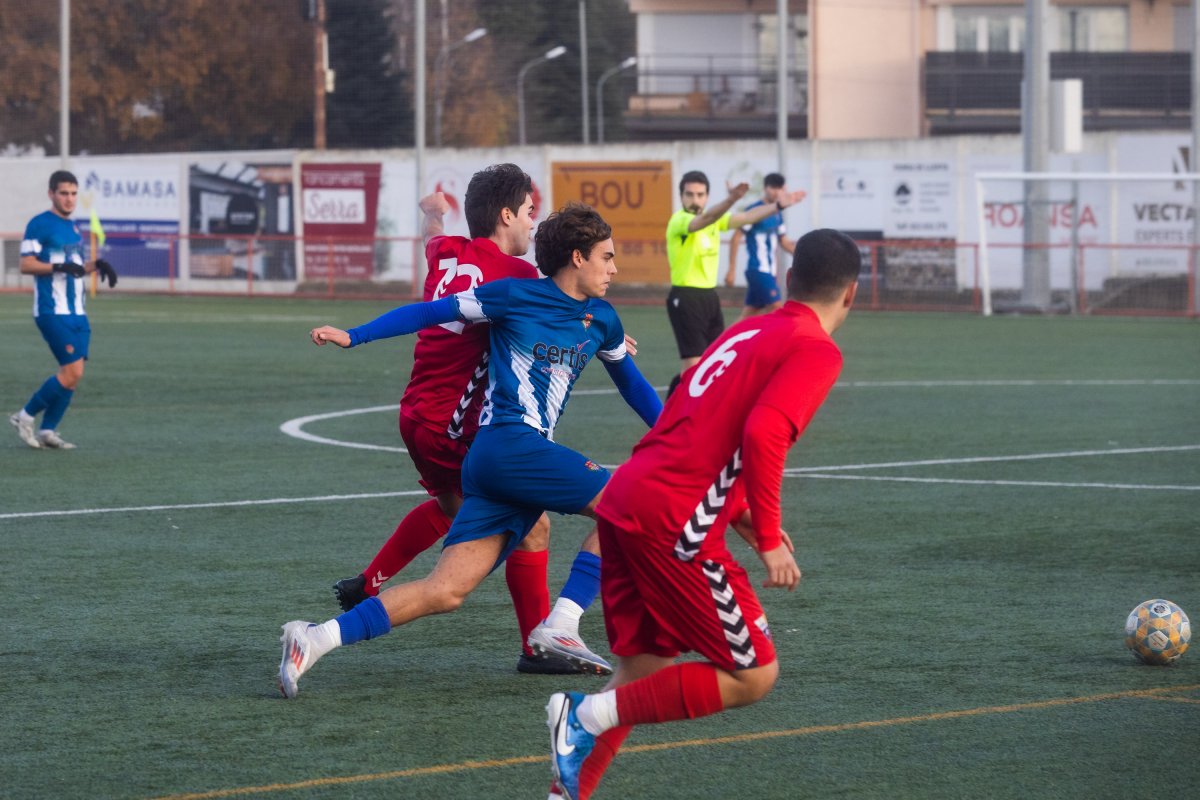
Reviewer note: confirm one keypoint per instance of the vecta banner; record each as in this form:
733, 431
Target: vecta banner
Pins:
339, 204
138, 205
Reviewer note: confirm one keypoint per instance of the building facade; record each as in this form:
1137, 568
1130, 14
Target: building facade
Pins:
869, 69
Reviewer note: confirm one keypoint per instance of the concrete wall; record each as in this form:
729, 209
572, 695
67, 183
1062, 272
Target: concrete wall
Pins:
894, 188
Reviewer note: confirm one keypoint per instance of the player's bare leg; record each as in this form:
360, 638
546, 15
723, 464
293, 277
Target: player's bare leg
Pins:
459, 570
416, 533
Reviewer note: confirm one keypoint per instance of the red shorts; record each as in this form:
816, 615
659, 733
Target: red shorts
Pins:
655, 603
436, 456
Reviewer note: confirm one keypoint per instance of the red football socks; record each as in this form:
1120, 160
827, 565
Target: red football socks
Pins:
598, 760
680, 691
415, 534
525, 573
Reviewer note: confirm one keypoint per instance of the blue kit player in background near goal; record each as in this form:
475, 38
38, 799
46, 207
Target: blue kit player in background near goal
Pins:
543, 334
763, 239
52, 252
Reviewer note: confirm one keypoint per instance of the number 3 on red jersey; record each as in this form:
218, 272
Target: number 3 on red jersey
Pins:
451, 270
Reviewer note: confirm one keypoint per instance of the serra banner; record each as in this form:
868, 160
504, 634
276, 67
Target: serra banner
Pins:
339, 205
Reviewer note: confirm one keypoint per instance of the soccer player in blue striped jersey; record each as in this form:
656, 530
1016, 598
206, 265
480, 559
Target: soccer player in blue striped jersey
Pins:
543, 334
762, 239
52, 252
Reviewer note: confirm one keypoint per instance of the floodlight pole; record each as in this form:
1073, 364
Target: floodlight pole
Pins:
604, 76
1035, 129
1194, 261
550, 54
64, 83
583, 68
320, 67
783, 94
419, 103
439, 77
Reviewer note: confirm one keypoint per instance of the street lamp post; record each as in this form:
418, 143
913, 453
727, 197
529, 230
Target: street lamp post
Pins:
624, 65
549, 55
440, 89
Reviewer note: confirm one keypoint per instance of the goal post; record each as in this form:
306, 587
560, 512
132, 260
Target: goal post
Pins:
1141, 232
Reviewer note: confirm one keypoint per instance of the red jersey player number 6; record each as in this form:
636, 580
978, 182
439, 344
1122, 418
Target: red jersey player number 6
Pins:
715, 365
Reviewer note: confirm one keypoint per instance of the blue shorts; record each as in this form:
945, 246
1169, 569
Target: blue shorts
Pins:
511, 475
67, 335
761, 289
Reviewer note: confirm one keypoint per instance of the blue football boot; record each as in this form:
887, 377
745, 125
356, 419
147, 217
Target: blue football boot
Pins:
570, 744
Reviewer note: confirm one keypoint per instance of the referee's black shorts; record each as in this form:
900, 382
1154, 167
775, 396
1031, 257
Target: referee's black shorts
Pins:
696, 319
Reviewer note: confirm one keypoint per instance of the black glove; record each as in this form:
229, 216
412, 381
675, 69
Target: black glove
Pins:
74, 270
107, 272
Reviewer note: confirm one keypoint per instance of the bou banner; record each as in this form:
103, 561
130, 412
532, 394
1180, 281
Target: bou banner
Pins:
339, 204
634, 197
138, 205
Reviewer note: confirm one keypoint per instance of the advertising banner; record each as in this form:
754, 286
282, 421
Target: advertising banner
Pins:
138, 205
339, 203
241, 220
1157, 215
635, 198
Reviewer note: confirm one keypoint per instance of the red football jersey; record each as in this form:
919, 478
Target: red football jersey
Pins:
449, 372
730, 422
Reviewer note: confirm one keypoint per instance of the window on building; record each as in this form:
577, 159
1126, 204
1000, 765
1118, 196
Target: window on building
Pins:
1084, 29
988, 29
1184, 31
767, 26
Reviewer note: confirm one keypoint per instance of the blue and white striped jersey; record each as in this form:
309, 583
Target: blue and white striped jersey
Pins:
541, 340
762, 240
54, 240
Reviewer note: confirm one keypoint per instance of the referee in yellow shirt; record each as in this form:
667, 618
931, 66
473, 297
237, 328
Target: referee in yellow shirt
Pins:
693, 250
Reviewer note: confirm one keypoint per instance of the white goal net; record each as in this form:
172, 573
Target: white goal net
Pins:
1087, 242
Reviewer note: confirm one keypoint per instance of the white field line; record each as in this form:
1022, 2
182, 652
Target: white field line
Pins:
800, 472
295, 427
328, 498
1045, 484
795, 471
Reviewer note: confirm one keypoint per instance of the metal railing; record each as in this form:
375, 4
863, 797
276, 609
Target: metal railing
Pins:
982, 91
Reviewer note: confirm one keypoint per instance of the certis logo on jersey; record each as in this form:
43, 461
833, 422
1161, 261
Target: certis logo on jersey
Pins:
571, 355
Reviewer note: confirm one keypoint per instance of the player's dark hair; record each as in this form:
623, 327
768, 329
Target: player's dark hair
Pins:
492, 189
694, 176
824, 263
61, 176
574, 227
774, 180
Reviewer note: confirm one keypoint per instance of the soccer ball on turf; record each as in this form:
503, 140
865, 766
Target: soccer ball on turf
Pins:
1157, 632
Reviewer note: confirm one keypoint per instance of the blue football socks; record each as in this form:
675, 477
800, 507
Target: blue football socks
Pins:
584, 582
46, 394
366, 620
57, 406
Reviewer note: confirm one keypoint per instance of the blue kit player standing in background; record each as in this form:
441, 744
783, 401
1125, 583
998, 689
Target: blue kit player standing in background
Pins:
543, 333
52, 251
763, 239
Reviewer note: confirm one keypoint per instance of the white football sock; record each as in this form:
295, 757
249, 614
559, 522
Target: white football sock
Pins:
598, 712
565, 615
325, 637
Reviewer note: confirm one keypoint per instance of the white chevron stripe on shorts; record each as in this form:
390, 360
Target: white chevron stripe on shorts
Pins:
737, 632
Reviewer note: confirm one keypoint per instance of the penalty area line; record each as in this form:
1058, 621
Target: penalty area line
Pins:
464, 766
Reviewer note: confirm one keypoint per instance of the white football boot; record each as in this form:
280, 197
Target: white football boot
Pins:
544, 639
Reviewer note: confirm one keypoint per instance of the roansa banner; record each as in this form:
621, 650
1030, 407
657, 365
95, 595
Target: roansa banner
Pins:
635, 198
